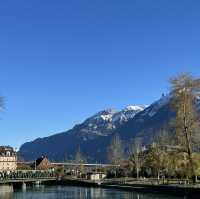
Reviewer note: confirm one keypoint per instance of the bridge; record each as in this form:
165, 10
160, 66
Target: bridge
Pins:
27, 180
23, 177
38, 176
82, 164
74, 164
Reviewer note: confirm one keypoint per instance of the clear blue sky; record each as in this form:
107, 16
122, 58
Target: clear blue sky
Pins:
62, 61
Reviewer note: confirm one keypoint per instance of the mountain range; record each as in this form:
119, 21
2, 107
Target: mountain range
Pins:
94, 135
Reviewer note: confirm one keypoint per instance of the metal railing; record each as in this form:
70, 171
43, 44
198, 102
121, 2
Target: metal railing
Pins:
28, 174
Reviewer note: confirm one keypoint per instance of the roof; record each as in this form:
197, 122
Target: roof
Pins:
39, 160
5, 149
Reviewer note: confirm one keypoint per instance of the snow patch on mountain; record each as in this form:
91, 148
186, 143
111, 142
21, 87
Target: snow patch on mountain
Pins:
126, 114
134, 108
113, 116
104, 121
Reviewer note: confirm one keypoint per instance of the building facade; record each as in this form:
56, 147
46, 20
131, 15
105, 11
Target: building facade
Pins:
8, 159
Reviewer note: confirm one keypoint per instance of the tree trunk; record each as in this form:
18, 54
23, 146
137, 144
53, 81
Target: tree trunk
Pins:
137, 171
159, 177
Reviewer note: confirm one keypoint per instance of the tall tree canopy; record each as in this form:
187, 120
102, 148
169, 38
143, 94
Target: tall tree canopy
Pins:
185, 90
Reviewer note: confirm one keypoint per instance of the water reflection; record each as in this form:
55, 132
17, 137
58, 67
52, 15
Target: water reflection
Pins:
6, 192
67, 192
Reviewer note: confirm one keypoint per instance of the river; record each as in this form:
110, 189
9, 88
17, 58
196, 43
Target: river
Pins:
70, 192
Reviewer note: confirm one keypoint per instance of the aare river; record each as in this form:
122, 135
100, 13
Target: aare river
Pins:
71, 192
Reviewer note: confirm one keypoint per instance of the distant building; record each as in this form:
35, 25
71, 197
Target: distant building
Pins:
96, 176
8, 159
42, 163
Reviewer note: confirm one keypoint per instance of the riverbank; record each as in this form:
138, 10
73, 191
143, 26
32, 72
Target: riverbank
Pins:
126, 184
188, 191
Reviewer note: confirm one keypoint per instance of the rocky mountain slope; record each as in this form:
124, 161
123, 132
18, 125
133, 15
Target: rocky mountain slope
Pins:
94, 135
94, 132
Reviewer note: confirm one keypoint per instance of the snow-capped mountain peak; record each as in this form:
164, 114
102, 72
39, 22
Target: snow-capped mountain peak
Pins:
114, 116
105, 115
134, 108
104, 121
127, 113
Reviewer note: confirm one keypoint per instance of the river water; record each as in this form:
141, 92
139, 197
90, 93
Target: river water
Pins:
70, 192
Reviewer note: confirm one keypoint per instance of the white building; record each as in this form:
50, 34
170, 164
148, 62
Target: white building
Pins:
96, 176
8, 159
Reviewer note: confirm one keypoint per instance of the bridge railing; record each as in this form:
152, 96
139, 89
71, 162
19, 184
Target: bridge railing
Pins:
27, 174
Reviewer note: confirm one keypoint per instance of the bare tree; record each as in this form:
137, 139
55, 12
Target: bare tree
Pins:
115, 151
185, 90
79, 158
135, 155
